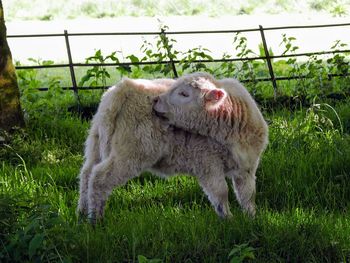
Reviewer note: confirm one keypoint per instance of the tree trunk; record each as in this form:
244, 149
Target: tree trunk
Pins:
11, 114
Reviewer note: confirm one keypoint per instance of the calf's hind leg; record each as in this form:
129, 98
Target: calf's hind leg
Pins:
92, 157
244, 185
83, 184
217, 191
105, 176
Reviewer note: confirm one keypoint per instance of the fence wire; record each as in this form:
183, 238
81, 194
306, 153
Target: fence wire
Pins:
267, 58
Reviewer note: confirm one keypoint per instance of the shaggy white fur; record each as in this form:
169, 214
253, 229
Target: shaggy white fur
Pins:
127, 138
224, 111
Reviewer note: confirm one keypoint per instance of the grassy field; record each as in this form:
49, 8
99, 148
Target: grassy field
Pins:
49, 10
303, 199
303, 194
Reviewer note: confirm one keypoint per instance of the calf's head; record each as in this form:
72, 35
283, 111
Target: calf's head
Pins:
188, 99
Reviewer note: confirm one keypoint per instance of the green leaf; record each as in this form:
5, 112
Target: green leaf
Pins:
236, 260
93, 83
142, 259
98, 55
113, 57
335, 44
288, 46
124, 69
47, 62
34, 244
84, 79
249, 255
107, 74
133, 59
34, 60
149, 53
147, 68
158, 68
33, 224
234, 251
185, 66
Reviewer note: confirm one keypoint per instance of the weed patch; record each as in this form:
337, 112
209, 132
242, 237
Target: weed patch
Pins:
302, 197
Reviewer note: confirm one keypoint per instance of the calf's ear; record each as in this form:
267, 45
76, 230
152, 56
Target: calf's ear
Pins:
214, 95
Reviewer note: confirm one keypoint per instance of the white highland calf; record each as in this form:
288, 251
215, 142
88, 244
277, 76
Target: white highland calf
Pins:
126, 138
224, 111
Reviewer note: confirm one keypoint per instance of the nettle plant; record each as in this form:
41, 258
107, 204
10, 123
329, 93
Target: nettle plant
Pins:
310, 77
158, 53
35, 102
315, 75
244, 69
247, 69
340, 64
162, 52
98, 74
295, 69
191, 60
183, 61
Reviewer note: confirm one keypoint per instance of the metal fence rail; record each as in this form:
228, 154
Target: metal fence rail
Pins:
268, 58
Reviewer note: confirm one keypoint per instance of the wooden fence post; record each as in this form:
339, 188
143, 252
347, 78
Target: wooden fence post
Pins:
269, 64
71, 68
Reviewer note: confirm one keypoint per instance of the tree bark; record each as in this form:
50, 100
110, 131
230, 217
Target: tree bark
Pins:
11, 114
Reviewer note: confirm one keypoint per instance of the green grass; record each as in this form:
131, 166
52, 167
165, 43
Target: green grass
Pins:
25, 9
303, 200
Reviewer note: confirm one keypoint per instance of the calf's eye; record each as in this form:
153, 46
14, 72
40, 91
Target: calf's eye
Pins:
183, 94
